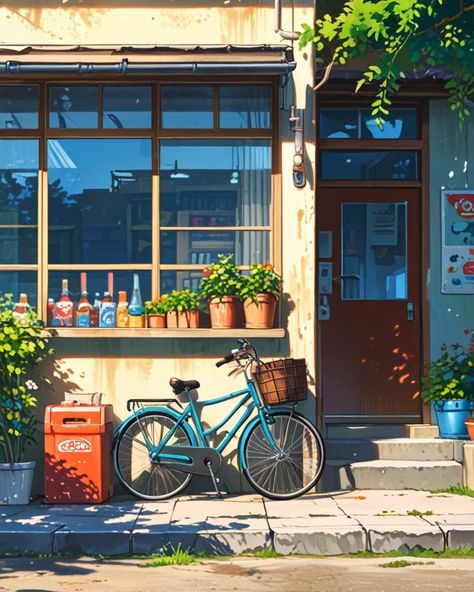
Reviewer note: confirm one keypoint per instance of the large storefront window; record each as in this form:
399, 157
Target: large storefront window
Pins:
142, 179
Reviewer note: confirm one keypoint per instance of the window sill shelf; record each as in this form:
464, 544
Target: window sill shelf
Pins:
85, 333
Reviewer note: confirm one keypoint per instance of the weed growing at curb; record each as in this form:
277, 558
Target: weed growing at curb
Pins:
462, 552
174, 556
405, 563
419, 513
269, 553
456, 490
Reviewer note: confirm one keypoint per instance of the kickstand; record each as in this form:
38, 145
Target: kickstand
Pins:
214, 479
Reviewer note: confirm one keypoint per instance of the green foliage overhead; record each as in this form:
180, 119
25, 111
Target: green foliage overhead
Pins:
22, 346
397, 37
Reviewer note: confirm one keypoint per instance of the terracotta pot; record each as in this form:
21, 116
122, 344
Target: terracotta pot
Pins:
470, 427
183, 320
156, 321
223, 312
260, 314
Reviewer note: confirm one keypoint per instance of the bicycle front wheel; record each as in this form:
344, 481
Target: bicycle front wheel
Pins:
135, 469
293, 471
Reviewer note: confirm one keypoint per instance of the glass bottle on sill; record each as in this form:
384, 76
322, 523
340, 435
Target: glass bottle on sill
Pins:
107, 312
135, 309
50, 312
94, 318
122, 310
20, 310
64, 308
83, 311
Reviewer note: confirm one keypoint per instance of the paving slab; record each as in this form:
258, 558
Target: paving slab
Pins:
401, 533
233, 536
324, 505
320, 535
382, 502
458, 529
107, 534
108, 508
150, 533
200, 509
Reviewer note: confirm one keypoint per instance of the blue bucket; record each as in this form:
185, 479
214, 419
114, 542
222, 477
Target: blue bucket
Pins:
451, 415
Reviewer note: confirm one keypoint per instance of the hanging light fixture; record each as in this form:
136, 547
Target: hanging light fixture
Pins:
177, 174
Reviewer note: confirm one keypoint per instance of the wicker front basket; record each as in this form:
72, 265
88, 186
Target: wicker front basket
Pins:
282, 381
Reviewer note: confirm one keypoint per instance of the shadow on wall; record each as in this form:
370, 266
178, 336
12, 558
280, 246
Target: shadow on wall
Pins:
53, 378
98, 4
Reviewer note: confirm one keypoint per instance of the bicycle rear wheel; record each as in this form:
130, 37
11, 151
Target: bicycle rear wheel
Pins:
135, 469
291, 473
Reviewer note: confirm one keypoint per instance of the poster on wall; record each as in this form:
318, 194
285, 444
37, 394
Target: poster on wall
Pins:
457, 235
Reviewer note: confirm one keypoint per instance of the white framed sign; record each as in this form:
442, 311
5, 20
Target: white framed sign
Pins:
457, 241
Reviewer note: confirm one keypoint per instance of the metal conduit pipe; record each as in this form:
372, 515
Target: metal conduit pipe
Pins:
125, 67
283, 34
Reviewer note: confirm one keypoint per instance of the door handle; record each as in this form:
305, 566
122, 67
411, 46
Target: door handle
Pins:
323, 308
350, 276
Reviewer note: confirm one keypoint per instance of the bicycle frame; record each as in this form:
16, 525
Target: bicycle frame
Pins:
248, 395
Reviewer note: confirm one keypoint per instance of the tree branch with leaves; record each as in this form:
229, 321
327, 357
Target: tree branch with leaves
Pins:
397, 38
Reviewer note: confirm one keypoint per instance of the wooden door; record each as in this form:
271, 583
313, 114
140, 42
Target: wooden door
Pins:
369, 264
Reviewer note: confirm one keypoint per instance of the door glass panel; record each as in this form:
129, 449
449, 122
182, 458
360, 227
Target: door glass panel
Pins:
369, 164
374, 251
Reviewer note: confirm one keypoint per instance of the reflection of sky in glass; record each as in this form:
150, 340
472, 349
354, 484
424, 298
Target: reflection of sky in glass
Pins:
18, 154
88, 163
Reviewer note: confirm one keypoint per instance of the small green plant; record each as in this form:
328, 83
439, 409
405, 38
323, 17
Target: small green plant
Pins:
181, 301
172, 556
269, 553
22, 346
263, 279
419, 513
456, 490
220, 279
451, 375
405, 563
159, 306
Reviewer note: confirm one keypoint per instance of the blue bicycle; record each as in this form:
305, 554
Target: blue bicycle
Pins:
156, 451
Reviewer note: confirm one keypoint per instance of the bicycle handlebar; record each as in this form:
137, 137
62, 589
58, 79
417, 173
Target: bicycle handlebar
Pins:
246, 349
226, 360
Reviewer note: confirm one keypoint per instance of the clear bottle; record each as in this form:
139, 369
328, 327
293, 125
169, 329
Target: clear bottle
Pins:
63, 310
135, 309
20, 310
83, 311
94, 318
122, 310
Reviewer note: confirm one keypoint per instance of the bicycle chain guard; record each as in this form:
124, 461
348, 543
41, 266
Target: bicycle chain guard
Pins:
198, 456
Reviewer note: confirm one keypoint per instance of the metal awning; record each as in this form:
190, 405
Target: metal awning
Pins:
130, 60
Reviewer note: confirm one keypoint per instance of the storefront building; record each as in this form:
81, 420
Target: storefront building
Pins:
147, 140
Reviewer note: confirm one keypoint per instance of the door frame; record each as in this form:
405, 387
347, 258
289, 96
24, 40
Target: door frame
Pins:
328, 97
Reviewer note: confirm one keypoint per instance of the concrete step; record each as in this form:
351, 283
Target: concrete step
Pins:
426, 449
364, 431
331, 477
350, 450
401, 474
421, 430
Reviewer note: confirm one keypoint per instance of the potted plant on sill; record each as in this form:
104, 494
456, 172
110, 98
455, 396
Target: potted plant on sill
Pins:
219, 287
259, 292
448, 384
155, 311
23, 345
182, 309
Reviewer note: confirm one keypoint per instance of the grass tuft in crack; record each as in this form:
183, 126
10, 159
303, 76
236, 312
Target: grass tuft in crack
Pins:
455, 489
174, 556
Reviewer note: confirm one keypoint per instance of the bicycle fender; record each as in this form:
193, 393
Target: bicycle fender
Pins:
165, 411
251, 425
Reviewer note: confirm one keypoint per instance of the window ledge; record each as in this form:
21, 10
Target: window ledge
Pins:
72, 332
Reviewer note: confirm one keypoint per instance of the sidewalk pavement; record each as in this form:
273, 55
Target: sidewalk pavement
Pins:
320, 523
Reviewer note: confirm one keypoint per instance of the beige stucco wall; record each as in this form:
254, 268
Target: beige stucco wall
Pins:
123, 368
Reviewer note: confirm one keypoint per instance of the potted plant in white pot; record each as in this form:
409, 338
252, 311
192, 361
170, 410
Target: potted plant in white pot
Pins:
23, 345
259, 292
219, 287
448, 384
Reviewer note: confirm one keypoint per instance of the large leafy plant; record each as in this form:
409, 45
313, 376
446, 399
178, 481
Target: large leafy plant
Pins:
22, 346
181, 301
451, 376
263, 279
220, 279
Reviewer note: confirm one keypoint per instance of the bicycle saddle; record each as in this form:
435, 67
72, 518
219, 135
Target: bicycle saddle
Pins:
179, 386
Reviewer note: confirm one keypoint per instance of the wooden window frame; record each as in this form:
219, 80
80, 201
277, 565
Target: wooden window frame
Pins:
155, 133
